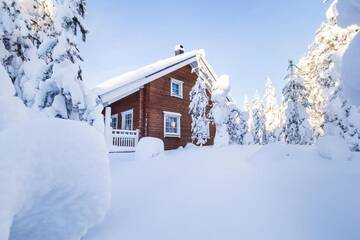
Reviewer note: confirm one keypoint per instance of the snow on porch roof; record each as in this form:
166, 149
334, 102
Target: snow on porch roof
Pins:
121, 86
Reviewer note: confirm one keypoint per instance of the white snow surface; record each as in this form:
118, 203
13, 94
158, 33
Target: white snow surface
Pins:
333, 148
54, 180
275, 192
346, 12
149, 147
350, 71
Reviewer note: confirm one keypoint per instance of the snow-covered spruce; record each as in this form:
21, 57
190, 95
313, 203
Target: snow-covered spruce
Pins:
258, 128
237, 125
197, 109
248, 139
271, 112
296, 129
52, 186
219, 111
42, 57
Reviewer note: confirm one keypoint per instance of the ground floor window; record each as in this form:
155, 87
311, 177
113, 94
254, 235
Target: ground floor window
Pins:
172, 124
114, 121
127, 119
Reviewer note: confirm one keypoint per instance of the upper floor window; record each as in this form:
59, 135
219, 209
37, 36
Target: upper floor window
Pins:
114, 121
176, 88
127, 120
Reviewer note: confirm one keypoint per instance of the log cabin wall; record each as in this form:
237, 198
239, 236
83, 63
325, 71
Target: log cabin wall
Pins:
150, 102
159, 99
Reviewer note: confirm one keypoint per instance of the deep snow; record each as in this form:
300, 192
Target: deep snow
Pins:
237, 192
54, 180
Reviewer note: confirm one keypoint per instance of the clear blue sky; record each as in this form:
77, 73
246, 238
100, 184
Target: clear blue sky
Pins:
247, 40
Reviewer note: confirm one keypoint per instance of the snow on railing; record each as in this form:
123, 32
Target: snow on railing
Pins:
124, 140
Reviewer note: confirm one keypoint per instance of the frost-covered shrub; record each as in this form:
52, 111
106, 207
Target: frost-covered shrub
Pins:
54, 180
149, 147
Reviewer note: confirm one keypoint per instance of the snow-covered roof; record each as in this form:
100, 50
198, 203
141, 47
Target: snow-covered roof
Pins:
121, 86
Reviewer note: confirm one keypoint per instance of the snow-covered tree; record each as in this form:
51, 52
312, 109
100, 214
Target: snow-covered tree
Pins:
320, 69
271, 112
296, 129
197, 109
63, 94
237, 125
220, 111
248, 139
20, 59
258, 128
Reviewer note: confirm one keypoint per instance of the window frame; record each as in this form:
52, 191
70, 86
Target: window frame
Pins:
123, 119
181, 88
178, 117
115, 116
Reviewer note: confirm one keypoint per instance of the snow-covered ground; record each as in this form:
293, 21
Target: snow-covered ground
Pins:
272, 192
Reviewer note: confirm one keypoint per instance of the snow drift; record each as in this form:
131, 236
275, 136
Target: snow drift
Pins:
275, 192
149, 147
54, 180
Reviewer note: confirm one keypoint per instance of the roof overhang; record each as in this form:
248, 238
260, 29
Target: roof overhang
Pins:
195, 60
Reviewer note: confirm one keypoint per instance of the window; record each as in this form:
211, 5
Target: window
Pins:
114, 121
176, 88
172, 124
127, 120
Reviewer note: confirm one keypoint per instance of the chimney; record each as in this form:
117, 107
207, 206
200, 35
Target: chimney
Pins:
179, 49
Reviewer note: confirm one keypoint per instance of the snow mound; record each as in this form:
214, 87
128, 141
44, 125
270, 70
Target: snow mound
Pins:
15, 112
149, 147
333, 148
350, 71
54, 180
346, 12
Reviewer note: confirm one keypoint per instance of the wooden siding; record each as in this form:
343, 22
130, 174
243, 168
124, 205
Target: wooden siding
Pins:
150, 102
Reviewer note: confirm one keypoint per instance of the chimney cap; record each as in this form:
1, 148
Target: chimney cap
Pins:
179, 49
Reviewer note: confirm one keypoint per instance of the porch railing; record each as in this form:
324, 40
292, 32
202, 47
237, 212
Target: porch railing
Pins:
124, 140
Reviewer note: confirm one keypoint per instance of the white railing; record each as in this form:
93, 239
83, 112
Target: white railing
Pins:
124, 140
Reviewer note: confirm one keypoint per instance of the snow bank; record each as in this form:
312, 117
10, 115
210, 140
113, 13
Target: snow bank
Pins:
149, 147
346, 12
54, 180
350, 71
277, 192
333, 148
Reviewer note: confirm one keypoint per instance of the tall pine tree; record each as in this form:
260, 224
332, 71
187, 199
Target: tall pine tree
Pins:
296, 129
258, 129
197, 109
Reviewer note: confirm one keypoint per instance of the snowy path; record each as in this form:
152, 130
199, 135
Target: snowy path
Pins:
233, 193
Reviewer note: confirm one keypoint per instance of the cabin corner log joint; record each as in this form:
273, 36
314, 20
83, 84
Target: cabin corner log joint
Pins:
154, 101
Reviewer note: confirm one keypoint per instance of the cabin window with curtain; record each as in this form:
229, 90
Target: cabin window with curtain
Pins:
114, 121
127, 119
172, 124
176, 88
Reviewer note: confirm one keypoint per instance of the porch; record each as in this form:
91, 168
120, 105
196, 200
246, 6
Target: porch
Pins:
124, 139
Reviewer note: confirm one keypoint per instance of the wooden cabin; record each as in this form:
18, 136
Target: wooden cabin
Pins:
154, 101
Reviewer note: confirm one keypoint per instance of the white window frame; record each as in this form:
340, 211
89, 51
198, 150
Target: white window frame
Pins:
123, 118
178, 116
116, 116
180, 83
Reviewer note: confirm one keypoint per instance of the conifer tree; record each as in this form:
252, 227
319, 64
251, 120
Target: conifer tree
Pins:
237, 125
296, 129
271, 112
248, 139
258, 129
197, 109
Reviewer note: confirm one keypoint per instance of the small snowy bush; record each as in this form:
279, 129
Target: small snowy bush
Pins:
54, 180
333, 148
149, 147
